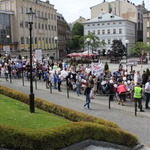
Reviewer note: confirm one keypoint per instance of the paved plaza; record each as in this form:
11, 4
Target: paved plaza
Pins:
124, 116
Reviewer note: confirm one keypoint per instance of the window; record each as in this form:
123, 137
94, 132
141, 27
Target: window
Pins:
120, 22
93, 24
120, 31
49, 27
27, 40
109, 42
55, 28
108, 31
93, 31
88, 25
52, 28
42, 15
46, 40
114, 31
22, 40
45, 15
103, 31
35, 25
21, 24
103, 23
35, 40
26, 24
45, 26
49, 40
20, 9
38, 13
108, 23
49, 16
25, 10
52, 16
98, 24
114, 22
88, 32
39, 25
98, 32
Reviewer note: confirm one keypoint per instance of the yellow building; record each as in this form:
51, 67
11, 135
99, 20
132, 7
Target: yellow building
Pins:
44, 25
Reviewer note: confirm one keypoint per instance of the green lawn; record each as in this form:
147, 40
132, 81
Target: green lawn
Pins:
15, 113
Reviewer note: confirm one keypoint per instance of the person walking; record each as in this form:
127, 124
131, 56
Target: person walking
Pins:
138, 96
87, 95
59, 81
147, 94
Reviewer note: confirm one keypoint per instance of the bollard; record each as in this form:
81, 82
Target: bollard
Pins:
50, 87
22, 79
35, 83
109, 101
67, 91
10, 77
135, 107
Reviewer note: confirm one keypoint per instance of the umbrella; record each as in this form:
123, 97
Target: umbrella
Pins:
88, 55
74, 55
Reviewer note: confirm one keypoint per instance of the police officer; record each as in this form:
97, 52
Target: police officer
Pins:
138, 96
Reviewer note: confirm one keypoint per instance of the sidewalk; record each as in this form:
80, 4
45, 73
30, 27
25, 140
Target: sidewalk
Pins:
122, 115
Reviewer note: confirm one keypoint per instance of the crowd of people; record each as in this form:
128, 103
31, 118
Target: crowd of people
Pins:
118, 85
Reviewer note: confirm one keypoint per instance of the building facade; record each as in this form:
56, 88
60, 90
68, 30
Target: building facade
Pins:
146, 27
108, 27
44, 25
124, 9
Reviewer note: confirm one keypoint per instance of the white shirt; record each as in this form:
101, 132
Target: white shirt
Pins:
147, 87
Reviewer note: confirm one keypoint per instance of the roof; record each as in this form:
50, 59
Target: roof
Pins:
105, 17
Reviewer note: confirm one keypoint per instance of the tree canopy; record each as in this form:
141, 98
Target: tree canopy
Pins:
138, 47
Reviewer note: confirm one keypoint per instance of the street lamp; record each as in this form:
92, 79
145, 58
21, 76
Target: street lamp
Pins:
126, 42
8, 37
56, 41
31, 95
88, 41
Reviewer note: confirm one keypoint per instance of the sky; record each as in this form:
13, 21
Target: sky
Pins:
73, 9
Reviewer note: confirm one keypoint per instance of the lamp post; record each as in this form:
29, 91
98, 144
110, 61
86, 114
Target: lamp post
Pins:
88, 41
127, 42
56, 41
31, 95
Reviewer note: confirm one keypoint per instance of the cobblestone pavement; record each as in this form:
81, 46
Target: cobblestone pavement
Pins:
124, 116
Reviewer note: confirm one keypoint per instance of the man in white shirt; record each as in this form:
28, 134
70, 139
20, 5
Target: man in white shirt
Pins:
147, 94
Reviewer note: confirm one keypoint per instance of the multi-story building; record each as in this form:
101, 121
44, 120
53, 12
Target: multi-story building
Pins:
14, 26
124, 9
108, 27
146, 27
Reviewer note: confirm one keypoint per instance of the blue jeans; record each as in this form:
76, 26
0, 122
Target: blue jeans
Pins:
87, 101
78, 88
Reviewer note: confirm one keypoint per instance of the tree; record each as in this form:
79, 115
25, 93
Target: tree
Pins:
118, 50
106, 67
138, 47
77, 32
94, 41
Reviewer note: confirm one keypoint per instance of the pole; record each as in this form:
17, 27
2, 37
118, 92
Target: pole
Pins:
22, 76
31, 95
56, 50
126, 58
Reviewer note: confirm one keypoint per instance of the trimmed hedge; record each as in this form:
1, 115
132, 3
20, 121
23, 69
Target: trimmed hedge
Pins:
57, 138
83, 127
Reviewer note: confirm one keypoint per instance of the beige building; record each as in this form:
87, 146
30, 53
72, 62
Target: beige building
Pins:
44, 25
146, 27
124, 9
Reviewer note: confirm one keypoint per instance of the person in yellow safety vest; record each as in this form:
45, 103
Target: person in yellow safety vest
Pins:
138, 96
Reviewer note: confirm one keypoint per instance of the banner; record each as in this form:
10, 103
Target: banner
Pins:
97, 68
38, 55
